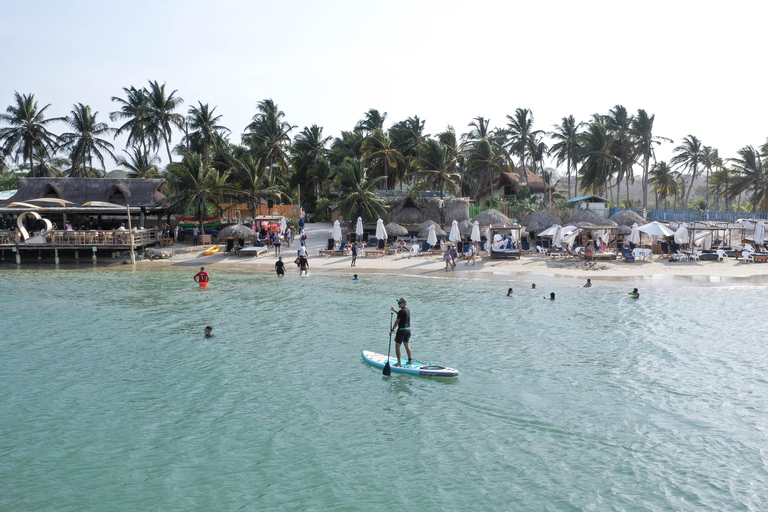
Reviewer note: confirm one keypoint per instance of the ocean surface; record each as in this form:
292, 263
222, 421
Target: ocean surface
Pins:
111, 398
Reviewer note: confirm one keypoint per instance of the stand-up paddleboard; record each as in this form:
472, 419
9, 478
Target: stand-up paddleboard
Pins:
415, 368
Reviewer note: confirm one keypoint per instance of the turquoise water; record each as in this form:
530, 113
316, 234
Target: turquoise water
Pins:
111, 399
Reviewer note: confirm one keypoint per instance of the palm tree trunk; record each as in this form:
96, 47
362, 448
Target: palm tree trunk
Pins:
168, 148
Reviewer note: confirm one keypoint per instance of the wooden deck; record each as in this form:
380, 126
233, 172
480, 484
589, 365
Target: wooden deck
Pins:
84, 239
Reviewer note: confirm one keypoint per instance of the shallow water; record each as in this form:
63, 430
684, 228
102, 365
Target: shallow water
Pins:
111, 399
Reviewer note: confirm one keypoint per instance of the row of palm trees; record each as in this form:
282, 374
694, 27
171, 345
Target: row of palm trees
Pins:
599, 156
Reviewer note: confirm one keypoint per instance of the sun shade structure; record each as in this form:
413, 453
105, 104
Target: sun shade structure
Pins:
237, 231
455, 234
438, 231
381, 231
432, 236
395, 229
494, 217
627, 218
656, 229
592, 218
539, 220
359, 227
475, 235
424, 225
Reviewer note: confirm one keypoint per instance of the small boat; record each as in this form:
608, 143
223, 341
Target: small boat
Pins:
415, 368
212, 250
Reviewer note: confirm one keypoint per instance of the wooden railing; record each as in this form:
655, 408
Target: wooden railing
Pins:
88, 238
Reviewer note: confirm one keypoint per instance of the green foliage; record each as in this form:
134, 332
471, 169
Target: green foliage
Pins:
323, 209
699, 205
493, 202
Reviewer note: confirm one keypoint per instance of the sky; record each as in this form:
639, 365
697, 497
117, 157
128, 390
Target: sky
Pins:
697, 66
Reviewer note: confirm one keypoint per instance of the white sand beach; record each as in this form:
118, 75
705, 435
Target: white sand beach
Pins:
433, 265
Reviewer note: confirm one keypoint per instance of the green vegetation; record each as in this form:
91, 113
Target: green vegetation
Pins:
356, 169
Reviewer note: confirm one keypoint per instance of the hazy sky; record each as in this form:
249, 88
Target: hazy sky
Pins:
698, 66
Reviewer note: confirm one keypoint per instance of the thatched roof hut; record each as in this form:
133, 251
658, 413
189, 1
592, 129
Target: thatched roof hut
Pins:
135, 192
412, 211
539, 220
627, 218
426, 224
395, 229
591, 217
516, 181
492, 217
237, 231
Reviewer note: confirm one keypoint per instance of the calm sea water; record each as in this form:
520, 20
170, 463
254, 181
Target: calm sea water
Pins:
111, 399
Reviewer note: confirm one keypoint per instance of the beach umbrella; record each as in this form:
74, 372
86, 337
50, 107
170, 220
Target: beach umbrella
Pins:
336, 232
759, 236
656, 229
237, 231
454, 235
283, 225
381, 231
475, 235
438, 231
681, 235
465, 227
557, 236
491, 216
634, 235
359, 227
393, 228
425, 225
431, 236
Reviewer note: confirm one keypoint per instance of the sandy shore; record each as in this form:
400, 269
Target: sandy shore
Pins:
318, 234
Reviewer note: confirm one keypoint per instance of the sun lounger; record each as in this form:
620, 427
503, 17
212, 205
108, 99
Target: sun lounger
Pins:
627, 254
253, 251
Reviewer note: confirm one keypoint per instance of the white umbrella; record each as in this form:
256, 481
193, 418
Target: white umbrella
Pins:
549, 231
455, 234
681, 235
759, 236
656, 229
381, 232
634, 236
475, 235
431, 237
557, 236
488, 239
359, 227
283, 225
336, 233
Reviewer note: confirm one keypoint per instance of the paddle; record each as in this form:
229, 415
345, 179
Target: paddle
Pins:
387, 370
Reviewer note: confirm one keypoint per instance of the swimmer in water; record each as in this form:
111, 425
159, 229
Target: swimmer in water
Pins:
208, 332
509, 292
202, 277
551, 296
355, 278
634, 294
589, 284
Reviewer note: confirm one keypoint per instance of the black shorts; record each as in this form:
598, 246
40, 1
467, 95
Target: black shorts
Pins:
402, 336
281, 272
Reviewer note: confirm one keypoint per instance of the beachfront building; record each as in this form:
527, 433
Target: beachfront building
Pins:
412, 211
597, 204
508, 183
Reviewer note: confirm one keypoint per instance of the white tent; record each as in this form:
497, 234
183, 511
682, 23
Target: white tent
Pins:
656, 229
336, 232
455, 234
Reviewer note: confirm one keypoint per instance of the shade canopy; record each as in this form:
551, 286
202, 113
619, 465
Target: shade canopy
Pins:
539, 220
627, 218
336, 232
494, 217
465, 227
656, 229
381, 231
557, 236
438, 231
455, 234
393, 228
424, 225
591, 217
681, 235
237, 231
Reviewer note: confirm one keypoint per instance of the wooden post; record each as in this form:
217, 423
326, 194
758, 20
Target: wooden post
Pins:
77, 254
56, 256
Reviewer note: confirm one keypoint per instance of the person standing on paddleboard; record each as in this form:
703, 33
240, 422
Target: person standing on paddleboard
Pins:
402, 326
202, 277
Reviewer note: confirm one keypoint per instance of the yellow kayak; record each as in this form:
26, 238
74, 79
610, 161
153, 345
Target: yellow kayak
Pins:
212, 250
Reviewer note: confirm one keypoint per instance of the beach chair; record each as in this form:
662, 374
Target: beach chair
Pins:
637, 253
721, 255
680, 256
542, 251
415, 250
340, 250
693, 256
747, 255
627, 254
647, 254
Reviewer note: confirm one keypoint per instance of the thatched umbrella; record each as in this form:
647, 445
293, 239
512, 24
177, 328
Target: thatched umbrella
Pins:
237, 231
627, 218
539, 220
393, 228
591, 217
425, 225
465, 227
438, 231
494, 217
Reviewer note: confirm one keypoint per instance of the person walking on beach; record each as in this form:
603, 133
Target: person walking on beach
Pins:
354, 254
448, 256
288, 234
402, 326
302, 250
280, 267
303, 265
195, 235
471, 255
276, 242
202, 277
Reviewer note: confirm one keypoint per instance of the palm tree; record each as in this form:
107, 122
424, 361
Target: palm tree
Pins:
374, 121
752, 176
711, 160
309, 148
567, 147
407, 137
268, 136
436, 168
84, 141
28, 128
196, 184
483, 163
349, 145
206, 132
254, 183
664, 182
522, 138
479, 131
598, 161
133, 110
357, 191
48, 165
139, 164
688, 156
719, 183
160, 116
380, 156
618, 122
642, 132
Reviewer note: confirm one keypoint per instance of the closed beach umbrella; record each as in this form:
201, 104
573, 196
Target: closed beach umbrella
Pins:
359, 227
432, 237
237, 231
454, 235
656, 229
557, 236
381, 231
681, 235
634, 235
759, 236
475, 235
283, 225
336, 232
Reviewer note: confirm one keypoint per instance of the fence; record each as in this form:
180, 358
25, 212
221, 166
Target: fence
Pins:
694, 216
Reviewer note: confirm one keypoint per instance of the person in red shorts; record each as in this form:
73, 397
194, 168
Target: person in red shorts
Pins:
202, 277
